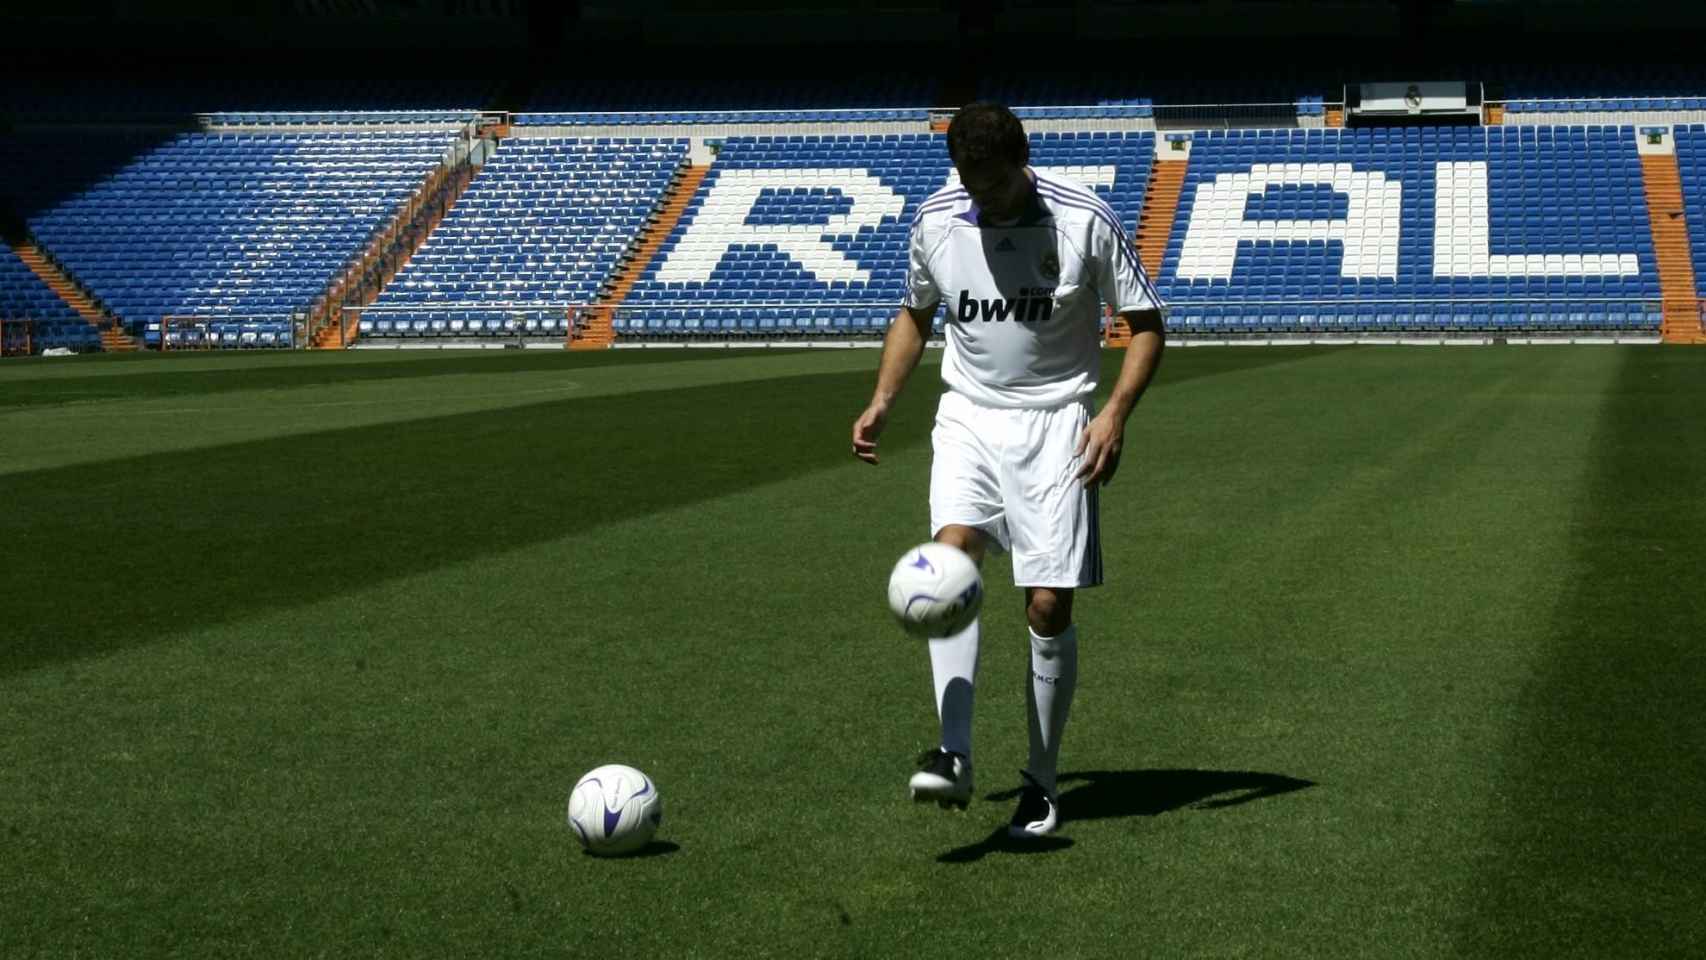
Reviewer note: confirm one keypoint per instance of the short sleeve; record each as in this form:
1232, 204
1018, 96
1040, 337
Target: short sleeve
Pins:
921, 290
1119, 276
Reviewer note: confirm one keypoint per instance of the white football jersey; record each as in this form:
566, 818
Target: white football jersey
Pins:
1024, 301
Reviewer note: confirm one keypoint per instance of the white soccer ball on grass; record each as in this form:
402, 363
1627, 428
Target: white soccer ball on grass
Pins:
614, 809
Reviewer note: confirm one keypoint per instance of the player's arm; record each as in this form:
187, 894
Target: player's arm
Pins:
1134, 298
903, 345
1104, 437
904, 342
1142, 357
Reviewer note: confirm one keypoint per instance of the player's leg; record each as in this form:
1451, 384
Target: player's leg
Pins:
953, 659
965, 511
1050, 684
944, 773
1054, 676
1056, 550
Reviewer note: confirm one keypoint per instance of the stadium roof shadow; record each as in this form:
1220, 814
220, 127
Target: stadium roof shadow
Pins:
1104, 794
162, 376
123, 552
44, 165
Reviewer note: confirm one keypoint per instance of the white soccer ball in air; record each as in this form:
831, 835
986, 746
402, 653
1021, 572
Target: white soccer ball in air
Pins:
614, 809
935, 590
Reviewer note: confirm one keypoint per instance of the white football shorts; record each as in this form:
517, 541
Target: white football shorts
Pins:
1009, 473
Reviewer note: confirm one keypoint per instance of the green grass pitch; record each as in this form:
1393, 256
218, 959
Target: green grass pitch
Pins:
1400, 655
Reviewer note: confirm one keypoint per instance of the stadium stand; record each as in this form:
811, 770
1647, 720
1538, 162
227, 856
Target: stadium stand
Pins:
23, 296
1573, 88
1053, 97
1412, 229
541, 227
244, 226
1050, 96
1531, 226
803, 235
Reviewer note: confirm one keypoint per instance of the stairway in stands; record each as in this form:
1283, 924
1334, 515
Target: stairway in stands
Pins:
113, 337
1154, 226
1160, 205
1671, 250
596, 330
334, 327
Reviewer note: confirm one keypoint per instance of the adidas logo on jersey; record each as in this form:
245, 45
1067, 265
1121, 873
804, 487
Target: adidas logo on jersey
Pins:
1032, 305
1005, 246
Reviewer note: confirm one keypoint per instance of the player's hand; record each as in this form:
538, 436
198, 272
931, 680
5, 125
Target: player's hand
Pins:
1099, 449
865, 431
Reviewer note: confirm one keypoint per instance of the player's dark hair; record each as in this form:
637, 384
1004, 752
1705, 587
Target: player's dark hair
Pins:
985, 131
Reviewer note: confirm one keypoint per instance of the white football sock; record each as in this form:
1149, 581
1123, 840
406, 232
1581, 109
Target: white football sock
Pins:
953, 664
1054, 676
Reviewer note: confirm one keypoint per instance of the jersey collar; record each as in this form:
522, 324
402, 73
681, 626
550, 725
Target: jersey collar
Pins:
1034, 213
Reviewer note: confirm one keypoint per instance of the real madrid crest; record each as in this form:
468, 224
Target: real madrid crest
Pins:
1051, 265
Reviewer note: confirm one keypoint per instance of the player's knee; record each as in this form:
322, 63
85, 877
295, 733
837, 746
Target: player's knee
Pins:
968, 539
1049, 611
1048, 623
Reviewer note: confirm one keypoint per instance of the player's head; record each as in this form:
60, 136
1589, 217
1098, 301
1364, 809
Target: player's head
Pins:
988, 146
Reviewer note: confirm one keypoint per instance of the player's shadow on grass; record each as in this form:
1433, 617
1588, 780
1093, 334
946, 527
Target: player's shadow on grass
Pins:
1105, 794
656, 848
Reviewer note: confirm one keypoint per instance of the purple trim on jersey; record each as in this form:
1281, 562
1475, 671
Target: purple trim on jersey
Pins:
1098, 206
938, 202
942, 200
1065, 197
1082, 192
1035, 212
1091, 204
1077, 203
1104, 213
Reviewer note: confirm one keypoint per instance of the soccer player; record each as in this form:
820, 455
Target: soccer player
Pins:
1023, 262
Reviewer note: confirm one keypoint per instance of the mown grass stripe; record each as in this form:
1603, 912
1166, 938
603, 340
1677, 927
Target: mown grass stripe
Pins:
1600, 782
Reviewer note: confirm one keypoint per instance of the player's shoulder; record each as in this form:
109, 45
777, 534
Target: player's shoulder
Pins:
938, 210
1069, 200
